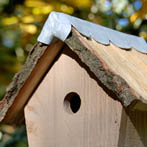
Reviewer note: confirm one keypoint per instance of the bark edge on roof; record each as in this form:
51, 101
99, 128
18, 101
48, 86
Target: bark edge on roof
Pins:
128, 96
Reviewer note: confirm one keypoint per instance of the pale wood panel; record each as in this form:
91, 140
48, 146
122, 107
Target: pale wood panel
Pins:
136, 129
130, 65
96, 124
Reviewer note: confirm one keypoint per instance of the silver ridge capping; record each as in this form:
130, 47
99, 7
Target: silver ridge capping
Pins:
59, 25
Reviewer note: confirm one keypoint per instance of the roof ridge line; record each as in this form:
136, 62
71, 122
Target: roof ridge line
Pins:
59, 25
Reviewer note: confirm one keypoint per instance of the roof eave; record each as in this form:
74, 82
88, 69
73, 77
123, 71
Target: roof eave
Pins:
26, 80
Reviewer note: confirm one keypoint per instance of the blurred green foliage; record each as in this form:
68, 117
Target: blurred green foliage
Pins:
15, 138
22, 20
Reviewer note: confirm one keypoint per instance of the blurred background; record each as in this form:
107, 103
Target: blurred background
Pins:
21, 22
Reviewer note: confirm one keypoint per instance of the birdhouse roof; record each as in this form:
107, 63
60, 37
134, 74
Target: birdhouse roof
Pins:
118, 60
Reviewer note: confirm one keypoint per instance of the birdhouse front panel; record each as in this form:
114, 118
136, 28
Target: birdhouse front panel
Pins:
70, 108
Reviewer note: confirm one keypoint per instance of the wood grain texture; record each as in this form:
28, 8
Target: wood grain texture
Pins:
136, 129
26, 80
96, 124
124, 72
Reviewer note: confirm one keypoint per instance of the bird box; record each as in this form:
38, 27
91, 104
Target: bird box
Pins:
83, 85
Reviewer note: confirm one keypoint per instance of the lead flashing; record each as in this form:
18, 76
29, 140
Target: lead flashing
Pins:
59, 25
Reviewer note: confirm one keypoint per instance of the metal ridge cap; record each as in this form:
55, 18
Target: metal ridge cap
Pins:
59, 25
56, 25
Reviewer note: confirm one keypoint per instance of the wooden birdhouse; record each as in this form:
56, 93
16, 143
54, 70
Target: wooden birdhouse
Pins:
83, 85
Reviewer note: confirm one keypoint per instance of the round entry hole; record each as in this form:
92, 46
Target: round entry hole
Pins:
72, 102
